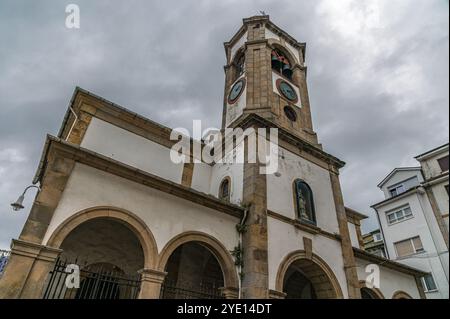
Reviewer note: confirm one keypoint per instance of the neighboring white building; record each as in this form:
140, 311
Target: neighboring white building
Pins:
414, 218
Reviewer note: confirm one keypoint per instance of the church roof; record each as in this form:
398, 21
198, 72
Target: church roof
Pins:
354, 214
270, 25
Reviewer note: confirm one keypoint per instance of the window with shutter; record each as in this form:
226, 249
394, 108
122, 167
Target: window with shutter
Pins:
409, 247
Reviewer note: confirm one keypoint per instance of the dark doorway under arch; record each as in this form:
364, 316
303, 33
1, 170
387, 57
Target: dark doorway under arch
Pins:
108, 256
193, 272
304, 279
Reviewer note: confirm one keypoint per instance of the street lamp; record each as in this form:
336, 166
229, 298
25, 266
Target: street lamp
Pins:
18, 204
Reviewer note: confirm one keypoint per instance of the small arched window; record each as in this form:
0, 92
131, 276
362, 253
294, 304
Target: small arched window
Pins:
304, 202
281, 64
224, 189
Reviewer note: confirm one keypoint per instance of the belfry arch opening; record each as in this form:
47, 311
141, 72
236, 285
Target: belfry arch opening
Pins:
304, 279
193, 272
281, 63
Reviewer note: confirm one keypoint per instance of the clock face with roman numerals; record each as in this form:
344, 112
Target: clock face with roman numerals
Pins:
236, 91
287, 91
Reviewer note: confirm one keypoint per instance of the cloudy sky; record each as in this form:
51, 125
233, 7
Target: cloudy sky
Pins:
377, 74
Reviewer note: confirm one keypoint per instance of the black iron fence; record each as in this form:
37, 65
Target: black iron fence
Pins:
171, 290
98, 284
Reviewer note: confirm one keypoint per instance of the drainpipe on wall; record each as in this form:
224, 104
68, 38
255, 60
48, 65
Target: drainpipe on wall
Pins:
382, 234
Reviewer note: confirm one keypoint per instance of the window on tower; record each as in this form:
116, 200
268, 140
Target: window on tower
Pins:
304, 202
224, 190
281, 64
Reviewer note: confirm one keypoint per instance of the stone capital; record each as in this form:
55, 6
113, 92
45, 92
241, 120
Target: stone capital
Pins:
33, 250
152, 275
275, 294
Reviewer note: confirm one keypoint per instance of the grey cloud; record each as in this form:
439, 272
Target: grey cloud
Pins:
164, 60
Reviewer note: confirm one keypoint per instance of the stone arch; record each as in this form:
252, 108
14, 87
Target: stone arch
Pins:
234, 64
237, 54
128, 219
401, 295
315, 263
213, 245
373, 291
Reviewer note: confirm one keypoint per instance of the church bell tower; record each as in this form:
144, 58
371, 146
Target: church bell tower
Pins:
266, 75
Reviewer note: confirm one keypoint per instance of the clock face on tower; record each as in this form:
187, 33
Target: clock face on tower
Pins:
287, 91
236, 91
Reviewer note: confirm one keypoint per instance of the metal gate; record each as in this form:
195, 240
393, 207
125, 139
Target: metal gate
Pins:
100, 284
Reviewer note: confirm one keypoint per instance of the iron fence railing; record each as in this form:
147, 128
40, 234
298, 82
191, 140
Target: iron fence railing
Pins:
99, 284
172, 290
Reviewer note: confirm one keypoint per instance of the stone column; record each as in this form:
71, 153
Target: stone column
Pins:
346, 244
151, 281
53, 184
255, 245
27, 270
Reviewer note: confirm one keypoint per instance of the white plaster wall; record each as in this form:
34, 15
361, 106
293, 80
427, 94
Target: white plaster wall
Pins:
275, 77
232, 168
284, 238
398, 177
201, 177
423, 224
391, 281
166, 215
431, 166
270, 35
237, 108
131, 149
207, 178
295, 52
415, 226
353, 235
280, 197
